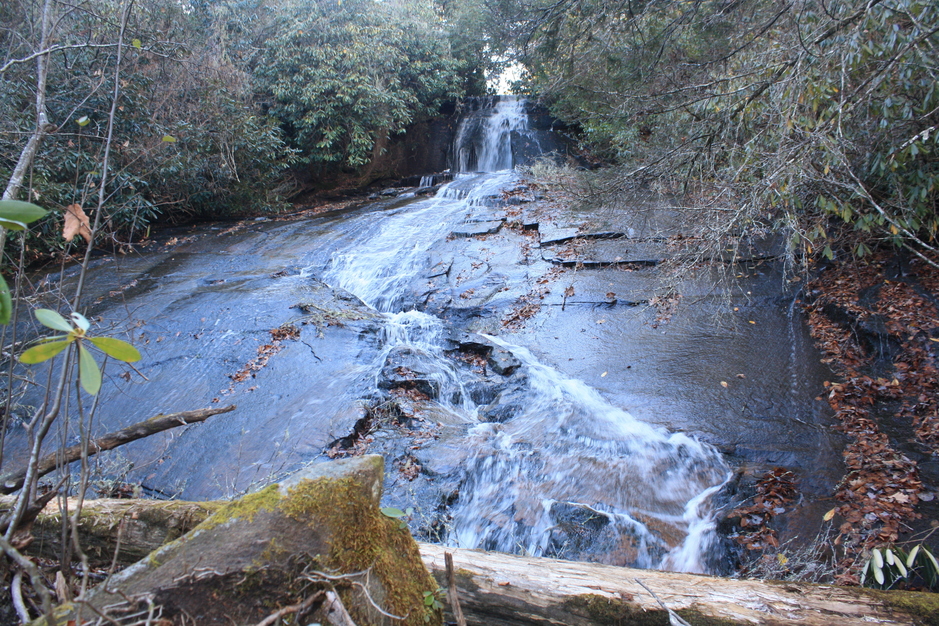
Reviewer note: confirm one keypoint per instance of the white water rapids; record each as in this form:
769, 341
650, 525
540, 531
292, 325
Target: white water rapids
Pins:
566, 450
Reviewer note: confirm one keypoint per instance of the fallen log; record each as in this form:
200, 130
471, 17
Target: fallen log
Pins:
496, 589
505, 590
131, 529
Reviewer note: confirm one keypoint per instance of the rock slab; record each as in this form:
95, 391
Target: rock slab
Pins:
317, 536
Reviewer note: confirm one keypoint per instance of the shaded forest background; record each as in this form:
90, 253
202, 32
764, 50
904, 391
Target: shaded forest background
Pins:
813, 122
815, 119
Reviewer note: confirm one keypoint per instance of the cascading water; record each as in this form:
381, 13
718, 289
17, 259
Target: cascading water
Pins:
565, 448
483, 139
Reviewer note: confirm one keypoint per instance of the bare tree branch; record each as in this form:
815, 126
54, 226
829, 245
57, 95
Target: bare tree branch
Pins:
14, 480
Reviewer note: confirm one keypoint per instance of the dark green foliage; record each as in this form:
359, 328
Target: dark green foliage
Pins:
801, 115
341, 76
227, 159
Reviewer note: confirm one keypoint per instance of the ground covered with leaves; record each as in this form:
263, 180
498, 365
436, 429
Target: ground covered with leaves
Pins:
876, 323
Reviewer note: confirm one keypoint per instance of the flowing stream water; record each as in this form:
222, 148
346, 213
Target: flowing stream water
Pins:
567, 449
544, 459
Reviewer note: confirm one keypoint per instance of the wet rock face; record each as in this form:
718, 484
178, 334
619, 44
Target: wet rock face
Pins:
503, 362
269, 549
406, 368
510, 401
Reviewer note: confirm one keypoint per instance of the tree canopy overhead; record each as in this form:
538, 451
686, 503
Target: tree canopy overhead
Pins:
216, 98
811, 114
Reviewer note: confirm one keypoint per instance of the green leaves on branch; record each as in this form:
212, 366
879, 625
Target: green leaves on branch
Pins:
89, 374
14, 215
343, 78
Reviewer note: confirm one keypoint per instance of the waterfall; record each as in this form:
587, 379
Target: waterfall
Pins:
565, 449
483, 137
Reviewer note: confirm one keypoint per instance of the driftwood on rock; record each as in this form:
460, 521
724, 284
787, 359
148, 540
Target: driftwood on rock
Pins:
12, 481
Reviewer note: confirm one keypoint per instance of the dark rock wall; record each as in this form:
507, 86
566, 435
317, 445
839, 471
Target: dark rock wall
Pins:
426, 147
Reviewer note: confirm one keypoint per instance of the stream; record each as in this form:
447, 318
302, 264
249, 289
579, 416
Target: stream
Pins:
591, 431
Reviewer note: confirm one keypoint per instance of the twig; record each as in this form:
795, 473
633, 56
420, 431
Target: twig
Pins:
350, 578
336, 613
674, 619
452, 596
35, 576
293, 608
16, 590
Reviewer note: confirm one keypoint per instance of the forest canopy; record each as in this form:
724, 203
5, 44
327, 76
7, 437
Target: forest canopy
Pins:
216, 98
816, 118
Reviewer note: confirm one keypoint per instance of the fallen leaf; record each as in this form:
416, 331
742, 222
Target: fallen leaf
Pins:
828, 516
76, 223
603, 374
724, 384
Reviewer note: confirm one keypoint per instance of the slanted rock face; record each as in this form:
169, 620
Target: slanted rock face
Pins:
290, 545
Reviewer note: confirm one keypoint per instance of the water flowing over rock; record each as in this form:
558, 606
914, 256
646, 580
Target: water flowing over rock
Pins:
385, 328
546, 442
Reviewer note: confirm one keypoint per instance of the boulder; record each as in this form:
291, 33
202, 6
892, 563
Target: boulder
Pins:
312, 547
503, 362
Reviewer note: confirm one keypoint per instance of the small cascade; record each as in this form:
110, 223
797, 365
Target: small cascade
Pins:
483, 137
565, 452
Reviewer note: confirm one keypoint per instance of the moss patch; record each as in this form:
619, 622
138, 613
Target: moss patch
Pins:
922, 607
246, 508
605, 611
362, 538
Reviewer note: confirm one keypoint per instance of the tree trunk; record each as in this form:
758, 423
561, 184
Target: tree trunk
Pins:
497, 589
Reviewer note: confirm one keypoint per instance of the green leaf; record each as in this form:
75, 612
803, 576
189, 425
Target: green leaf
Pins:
115, 348
88, 373
11, 225
390, 511
169, 139
44, 351
51, 319
931, 560
19, 213
137, 43
6, 303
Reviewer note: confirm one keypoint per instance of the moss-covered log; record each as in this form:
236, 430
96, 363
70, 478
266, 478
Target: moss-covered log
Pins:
314, 542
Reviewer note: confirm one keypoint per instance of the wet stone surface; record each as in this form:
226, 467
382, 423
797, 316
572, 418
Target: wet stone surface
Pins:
560, 433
